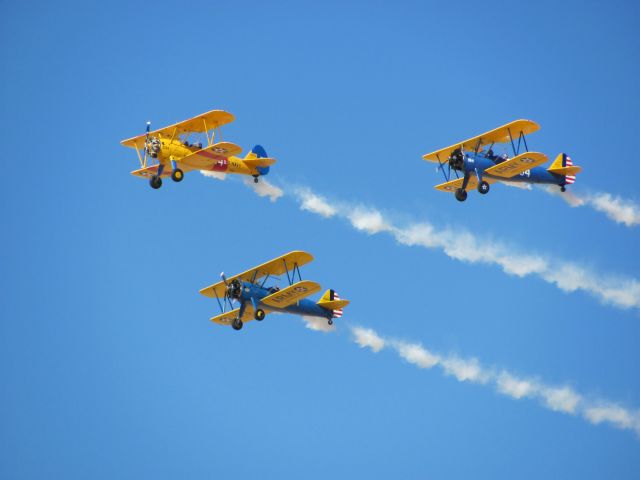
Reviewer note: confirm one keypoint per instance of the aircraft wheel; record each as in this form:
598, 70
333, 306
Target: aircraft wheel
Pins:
563, 189
259, 315
177, 175
255, 179
483, 187
461, 195
236, 324
155, 181
330, 322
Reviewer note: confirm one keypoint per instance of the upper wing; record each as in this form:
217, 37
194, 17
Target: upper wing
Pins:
499, 135
517, 164
259, 162
201, 123
277, 266
453, 185
208, 155
291, 294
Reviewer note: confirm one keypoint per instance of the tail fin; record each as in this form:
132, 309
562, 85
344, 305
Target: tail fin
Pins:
331, 301
563, 165
258, 152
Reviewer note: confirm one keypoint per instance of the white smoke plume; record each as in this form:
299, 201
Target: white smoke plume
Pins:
216, 175
459, 244
264, 189
318, 324
562, 399
618, 209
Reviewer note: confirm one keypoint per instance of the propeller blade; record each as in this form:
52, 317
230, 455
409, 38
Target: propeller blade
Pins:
146, 137
224, 278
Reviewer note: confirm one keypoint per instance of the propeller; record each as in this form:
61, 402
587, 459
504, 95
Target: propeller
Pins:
234, 287
146, 137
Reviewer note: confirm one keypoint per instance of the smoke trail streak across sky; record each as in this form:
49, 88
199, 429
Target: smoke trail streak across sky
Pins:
616, 208
561, 399
460, 244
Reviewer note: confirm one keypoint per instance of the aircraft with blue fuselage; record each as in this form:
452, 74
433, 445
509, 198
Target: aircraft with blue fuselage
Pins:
246, 296
476, 166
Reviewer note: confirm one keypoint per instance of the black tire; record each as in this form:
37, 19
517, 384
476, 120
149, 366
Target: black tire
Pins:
155, 182
461, 195
330, 322
177, 175
563, 189
483, 187
255, 179
236, 324
259, 315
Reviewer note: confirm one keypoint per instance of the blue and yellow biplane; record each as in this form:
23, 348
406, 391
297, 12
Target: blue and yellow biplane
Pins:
476, 166
167, 152
254, 299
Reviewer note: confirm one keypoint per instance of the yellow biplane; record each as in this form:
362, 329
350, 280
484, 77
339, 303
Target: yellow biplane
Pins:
480, 167
255, 299
168, 152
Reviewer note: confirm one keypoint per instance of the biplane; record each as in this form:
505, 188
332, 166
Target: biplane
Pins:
475, 164
247, 297
168, 152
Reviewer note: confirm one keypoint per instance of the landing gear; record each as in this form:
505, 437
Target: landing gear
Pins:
563, 189
255, 179
177, 175
330, 322
483, 187
461, 195
259, 315
236, 324
155, 181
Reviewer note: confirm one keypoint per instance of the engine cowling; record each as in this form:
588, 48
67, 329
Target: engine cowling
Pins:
456, 159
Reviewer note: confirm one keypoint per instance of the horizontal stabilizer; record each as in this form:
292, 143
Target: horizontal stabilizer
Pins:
566, 170
333, 304
291, 294
259, 162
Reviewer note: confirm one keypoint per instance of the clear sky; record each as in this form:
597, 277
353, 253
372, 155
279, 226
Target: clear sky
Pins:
109, 365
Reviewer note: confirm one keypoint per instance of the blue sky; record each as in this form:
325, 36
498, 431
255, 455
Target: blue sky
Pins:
110, 366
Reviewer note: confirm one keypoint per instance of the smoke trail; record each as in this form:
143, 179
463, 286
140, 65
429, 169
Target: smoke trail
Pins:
459, 244
557, 398
618, 209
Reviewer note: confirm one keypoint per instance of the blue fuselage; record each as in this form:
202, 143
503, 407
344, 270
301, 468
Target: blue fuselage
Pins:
252, 294
477, 164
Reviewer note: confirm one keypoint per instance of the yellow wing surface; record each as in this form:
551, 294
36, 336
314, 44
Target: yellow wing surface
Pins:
147, 172
516, 165
277, 266
227, 317
291, 294
199, 124
498, 135
453, 185
207, 156
259, 162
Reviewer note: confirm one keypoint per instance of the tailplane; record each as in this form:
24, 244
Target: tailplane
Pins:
259, 152
331, 301
563, 165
